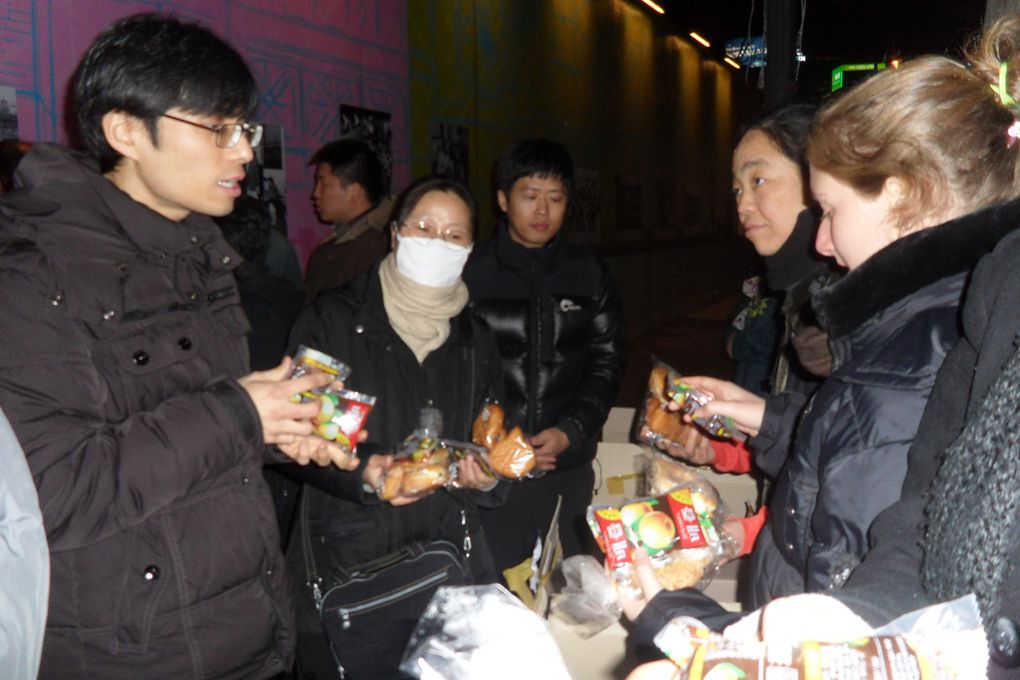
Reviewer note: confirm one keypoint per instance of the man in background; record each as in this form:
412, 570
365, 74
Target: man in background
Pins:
348, 193
558, 319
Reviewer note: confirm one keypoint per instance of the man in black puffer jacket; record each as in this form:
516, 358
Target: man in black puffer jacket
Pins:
558, 319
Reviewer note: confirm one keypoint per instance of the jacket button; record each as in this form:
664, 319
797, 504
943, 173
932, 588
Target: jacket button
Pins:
1005, 643
791, 511
789, 547
244, 480
140, 358
225, 259
109, 314
193, 239
359, 329
184, 343
192, 296
151, 572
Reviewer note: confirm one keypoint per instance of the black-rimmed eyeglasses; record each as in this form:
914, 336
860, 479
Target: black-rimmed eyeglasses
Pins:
227, 134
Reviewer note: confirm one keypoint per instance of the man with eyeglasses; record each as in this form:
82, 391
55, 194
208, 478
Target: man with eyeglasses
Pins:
349, 194
124, 370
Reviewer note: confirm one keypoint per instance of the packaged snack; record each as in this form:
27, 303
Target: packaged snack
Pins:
342, 415
691, 399
655, 423
488, 426
509, 454
463, 450
663, 472
512, 456
308, 360
418, 475
944, 641
676, 529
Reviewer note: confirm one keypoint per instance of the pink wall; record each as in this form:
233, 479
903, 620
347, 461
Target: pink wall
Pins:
309, 56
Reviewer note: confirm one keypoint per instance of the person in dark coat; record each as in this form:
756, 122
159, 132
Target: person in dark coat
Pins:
953, 531
271, 303
558, 317
770, 185
349, 194
124, 372
883, 151
405, 330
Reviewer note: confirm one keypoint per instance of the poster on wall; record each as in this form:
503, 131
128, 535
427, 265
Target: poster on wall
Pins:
450, 151
585, 204
8, 113
266, 179
374, 128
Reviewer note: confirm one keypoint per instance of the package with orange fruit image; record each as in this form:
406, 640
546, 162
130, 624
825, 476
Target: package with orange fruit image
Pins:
677, 530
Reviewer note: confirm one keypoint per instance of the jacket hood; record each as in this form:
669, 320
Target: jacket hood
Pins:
54, 182
911, 263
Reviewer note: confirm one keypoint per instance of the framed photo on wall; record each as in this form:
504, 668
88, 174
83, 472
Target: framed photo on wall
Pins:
8, 113
266, 178
450, 151
373, 127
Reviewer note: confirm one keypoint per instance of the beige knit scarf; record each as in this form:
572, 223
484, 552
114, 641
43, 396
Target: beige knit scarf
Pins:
419, 314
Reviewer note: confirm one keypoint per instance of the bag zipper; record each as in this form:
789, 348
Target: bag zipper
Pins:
345, 613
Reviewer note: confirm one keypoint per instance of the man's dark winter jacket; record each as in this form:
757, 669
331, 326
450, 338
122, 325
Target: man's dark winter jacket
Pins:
888, 581
122, 333
558, 318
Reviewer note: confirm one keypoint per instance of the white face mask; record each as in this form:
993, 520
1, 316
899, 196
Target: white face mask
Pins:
430, 261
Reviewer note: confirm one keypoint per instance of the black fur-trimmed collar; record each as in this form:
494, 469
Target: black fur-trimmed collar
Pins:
911, 263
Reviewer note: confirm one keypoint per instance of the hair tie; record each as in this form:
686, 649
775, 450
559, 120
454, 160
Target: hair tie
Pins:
1013, 134
1003, 90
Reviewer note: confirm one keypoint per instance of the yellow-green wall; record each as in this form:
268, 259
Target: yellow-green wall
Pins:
648, 117
637, 104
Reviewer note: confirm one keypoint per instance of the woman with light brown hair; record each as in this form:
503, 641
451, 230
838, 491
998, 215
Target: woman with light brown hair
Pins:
915, 171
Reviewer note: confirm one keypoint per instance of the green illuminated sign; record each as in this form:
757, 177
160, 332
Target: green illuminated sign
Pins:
837, 73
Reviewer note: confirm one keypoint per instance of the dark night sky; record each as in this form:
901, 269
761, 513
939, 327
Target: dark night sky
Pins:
843, 31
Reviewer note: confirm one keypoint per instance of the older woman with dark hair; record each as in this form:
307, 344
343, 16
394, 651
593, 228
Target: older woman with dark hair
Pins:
405, 331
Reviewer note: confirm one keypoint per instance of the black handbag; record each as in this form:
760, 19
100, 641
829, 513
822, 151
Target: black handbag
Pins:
369, 611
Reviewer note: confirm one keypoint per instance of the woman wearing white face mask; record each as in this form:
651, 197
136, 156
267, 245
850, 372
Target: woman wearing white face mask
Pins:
407, 335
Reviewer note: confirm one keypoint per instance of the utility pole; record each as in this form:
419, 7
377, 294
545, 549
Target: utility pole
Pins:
781, 18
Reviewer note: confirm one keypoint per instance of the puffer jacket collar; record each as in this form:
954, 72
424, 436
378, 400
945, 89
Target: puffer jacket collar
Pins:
909, 264
58, 171
521, 259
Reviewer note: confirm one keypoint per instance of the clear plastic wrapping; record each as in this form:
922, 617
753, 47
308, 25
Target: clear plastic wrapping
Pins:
678, 529
509, 454
342, 413
588, 602
655, 423
471, 632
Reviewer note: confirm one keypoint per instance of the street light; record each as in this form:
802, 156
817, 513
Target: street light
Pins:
700, 39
